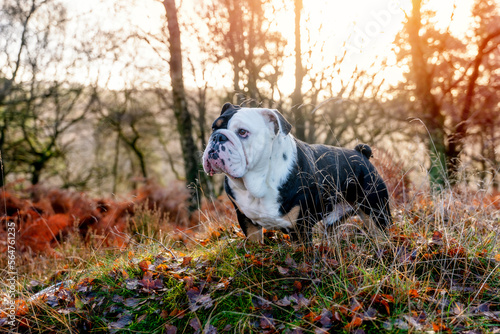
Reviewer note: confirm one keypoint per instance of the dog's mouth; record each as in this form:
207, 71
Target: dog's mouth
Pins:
212, 163
223, 159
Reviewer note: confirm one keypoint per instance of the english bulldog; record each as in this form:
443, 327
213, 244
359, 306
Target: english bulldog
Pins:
278, 182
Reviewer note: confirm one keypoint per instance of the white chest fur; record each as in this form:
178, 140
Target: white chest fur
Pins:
257, 193
263, 211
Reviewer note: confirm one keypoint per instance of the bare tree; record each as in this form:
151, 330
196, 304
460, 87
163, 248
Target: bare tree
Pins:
297, 100
445, 80
180, 104
36, 109
253, 47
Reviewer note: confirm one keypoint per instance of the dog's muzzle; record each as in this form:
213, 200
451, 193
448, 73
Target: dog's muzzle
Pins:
222, 156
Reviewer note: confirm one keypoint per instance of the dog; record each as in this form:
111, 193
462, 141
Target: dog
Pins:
278, 182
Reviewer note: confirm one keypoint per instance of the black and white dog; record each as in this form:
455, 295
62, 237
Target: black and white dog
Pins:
280, 183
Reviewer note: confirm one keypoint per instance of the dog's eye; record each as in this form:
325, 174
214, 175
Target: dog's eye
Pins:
242, 133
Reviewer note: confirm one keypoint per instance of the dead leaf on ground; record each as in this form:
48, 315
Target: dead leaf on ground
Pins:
197, 300
144, 265
267, 321
195, 324
170, 329
355, 322
132, 302
121, 323
186, 261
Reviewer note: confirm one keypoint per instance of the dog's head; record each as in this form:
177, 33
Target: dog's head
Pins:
242, 140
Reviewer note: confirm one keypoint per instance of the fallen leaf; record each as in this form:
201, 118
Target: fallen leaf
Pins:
195, 324
413, 322
257, 263
170, 329
311, 317
370, 314
141, 318
297, 331
413, 293
197, 300
186, 261
266, 321
131, 284
384, 300
144, 265
301, 302
117, 299
209, 329
297, 286
131, 302
283, 271
164, 314
457, 251
151, 285
261, 303
21, 307
189, 282
290, 262
326, 318
122, 322
283, 302
355, 322
439, 327
437, 238
458, 308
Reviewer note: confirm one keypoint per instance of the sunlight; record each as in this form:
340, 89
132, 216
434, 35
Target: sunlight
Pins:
363, 29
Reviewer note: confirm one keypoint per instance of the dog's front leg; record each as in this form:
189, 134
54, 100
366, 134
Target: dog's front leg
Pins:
252, 231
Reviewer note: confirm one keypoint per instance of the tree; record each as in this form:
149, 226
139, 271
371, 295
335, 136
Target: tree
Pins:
444, 81
38, 104
255, 49
299, 77
180, 105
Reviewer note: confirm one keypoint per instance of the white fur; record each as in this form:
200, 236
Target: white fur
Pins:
256, 192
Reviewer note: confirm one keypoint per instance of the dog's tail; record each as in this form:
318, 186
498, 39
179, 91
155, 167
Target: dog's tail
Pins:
365, 150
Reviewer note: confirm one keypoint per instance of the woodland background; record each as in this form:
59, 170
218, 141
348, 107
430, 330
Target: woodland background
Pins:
106, 106
99, 101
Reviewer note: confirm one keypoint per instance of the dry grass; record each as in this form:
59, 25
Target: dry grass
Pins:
437, 269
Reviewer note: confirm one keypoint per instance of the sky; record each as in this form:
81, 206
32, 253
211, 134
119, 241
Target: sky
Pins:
365, 29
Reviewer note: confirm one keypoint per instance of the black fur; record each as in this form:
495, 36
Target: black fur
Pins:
228, 111
324, 176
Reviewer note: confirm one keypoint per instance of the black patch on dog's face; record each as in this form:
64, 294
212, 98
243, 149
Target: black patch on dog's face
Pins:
228, 111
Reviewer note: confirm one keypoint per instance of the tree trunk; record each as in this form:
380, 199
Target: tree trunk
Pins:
433, 118
115, 163
456, 141
181, 112
300, 126
37, 171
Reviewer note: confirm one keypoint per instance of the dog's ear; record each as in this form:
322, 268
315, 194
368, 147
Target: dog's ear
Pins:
227, 106
280, 122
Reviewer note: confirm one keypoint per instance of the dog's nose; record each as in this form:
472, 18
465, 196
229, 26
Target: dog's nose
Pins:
220, 138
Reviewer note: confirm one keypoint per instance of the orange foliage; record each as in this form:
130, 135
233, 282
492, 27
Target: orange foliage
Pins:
394, 173
50, 214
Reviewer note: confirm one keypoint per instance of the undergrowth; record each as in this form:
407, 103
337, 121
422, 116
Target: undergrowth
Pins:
436, 269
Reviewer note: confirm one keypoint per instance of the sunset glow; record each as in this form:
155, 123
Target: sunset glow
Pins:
364, 29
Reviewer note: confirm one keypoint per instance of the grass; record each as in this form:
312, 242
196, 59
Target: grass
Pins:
437, 269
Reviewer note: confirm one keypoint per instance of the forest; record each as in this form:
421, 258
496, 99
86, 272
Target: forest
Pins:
106, 108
